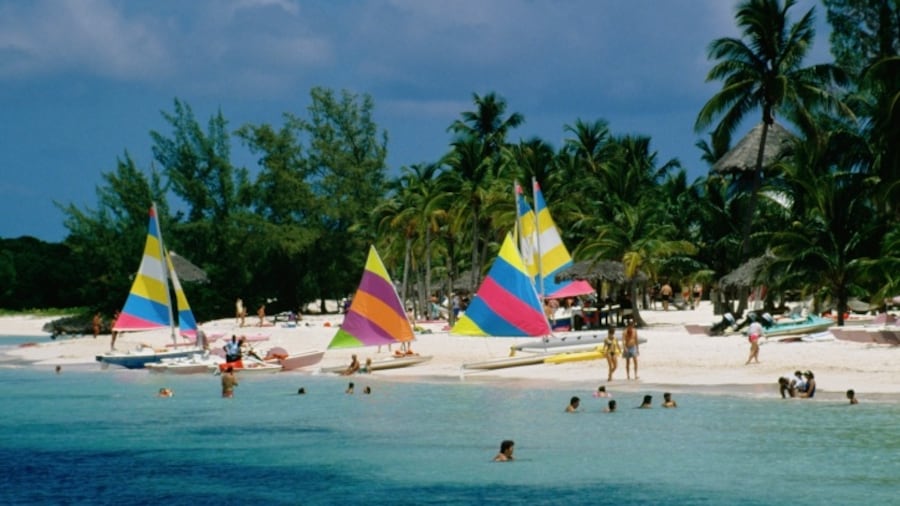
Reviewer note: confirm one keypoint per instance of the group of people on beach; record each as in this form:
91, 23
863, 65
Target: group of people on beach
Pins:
630, 350
801, 384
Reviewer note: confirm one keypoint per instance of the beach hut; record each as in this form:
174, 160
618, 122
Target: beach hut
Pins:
610, 273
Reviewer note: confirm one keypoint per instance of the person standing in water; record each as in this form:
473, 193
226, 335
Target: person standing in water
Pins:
229, 381
506, 451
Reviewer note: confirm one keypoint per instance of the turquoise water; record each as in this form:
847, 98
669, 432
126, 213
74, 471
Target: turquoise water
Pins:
92, 436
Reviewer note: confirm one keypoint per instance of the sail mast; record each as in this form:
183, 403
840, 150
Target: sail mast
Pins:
165, 271
537, 229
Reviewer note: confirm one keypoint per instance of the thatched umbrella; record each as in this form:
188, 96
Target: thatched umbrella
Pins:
742, 157
600, 270
745, 276
186, 270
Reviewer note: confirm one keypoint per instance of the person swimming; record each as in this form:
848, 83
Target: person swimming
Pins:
506, 451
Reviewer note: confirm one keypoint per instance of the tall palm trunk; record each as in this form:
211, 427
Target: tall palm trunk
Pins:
751, 206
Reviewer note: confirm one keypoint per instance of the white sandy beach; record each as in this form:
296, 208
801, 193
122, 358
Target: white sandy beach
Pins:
671, 357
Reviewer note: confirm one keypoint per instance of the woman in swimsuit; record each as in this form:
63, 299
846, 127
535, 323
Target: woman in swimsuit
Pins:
611, 347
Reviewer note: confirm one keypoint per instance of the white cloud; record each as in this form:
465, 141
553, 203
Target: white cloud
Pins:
56, 36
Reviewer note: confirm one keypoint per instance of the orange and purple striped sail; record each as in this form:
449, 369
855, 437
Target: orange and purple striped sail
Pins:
506, 303
376, 315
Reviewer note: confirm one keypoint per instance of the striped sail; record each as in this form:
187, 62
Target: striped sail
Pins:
526, 224
376, 315
148, 305
554, 257
187, 324
506, 303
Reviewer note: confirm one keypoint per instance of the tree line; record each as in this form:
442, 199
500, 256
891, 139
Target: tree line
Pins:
295, 227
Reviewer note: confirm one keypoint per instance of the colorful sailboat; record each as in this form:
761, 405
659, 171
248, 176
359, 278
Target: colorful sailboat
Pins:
550, 255
506, 304
376, 316
149, 305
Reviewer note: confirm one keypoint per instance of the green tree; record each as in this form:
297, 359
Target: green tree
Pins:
763, 71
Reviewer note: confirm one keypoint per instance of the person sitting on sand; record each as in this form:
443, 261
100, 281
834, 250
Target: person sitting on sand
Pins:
810, 391
350, 387
573, 405
786, 387
506, 451
799, 382
367, 368
610, 407
668, 402
648, 402
353, 367
165, 392
851, 395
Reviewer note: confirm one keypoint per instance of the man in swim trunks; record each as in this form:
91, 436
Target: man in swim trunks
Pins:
632, 350
229, 381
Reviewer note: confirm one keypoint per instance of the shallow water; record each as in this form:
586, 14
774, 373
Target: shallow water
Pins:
96, 436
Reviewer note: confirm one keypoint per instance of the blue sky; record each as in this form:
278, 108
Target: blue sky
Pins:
84, 81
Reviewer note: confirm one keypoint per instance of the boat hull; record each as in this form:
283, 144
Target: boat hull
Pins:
388, 363
140, 358
503, 363
300, 360
563, 358
811, 325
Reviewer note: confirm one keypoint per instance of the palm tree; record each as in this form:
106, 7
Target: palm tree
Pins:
763, 71
835, 231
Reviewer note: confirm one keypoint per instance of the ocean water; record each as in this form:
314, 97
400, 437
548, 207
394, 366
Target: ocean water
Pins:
92, 436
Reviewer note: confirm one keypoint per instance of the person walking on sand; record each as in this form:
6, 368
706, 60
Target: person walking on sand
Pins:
239, 312
229, 381
611, 349
113, 333
506, 451
666, 294
96, 323
754, 333
261, 313
632, 349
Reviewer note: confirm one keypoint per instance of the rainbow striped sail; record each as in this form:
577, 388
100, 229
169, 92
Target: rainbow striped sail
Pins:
506, 303
554, 257
527, 226
148, 305
376, 315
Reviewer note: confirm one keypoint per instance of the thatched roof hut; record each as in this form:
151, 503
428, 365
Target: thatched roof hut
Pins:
600, 270
742, 157
746, 275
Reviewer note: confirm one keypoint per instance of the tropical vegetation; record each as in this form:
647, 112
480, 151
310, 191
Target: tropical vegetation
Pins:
294, 227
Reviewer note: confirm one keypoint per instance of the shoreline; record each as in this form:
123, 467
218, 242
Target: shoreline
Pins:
672, 359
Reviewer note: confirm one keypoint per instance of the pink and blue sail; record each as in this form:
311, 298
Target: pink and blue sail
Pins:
506, 304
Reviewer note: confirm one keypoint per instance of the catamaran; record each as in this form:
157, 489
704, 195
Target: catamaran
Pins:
149, 307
